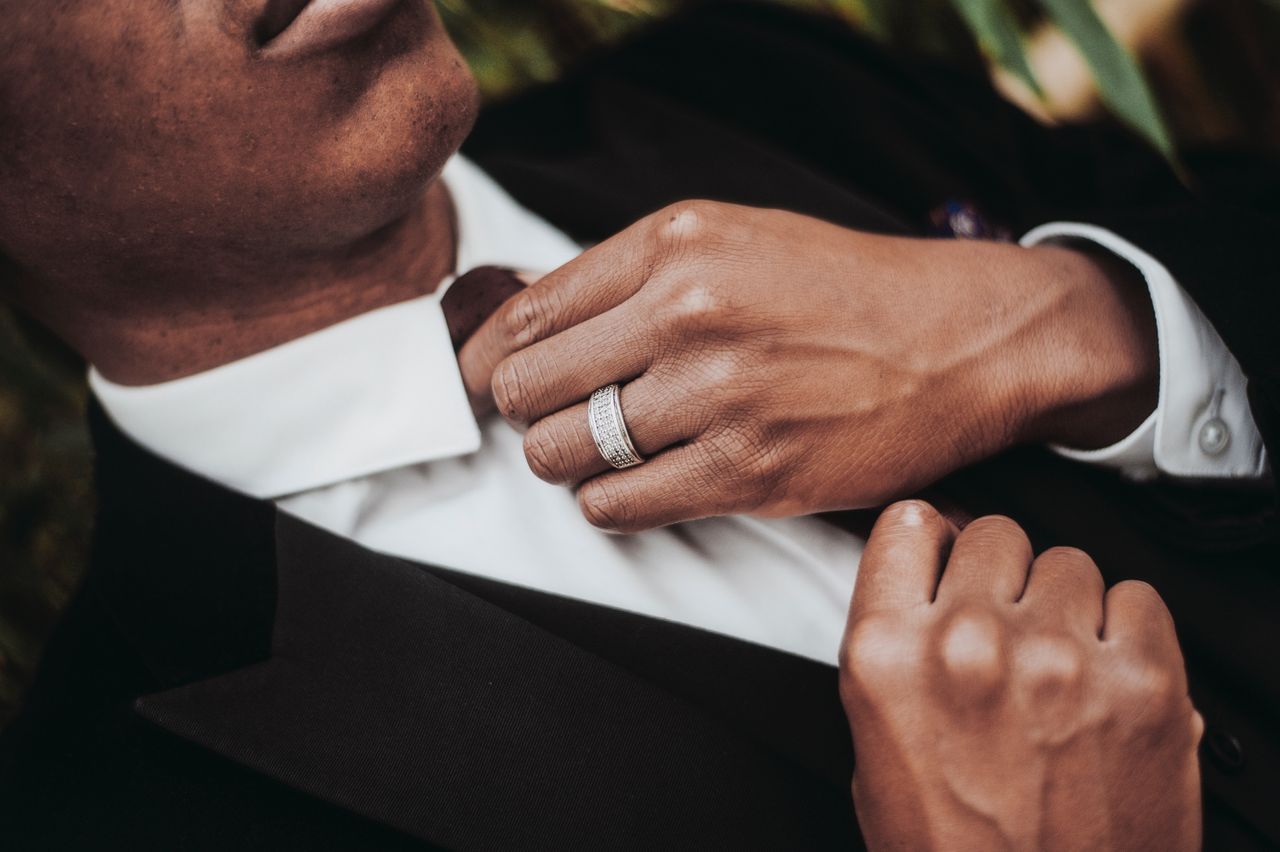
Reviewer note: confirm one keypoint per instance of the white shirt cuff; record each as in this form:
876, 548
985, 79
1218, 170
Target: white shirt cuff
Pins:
1202, 426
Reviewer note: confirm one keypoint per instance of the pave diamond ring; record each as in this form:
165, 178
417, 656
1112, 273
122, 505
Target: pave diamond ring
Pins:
609, 430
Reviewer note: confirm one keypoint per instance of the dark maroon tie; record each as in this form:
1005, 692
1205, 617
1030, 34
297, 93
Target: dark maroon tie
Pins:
474, 296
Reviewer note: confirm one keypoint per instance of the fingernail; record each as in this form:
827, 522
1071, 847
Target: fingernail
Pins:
910, 513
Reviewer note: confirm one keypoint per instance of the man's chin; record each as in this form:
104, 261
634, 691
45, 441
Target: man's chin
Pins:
396, 143
390, 181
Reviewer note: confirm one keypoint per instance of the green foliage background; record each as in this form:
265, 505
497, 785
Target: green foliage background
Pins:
45, 497
539, 35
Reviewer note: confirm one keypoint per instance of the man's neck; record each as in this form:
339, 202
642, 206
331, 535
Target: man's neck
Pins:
404, 260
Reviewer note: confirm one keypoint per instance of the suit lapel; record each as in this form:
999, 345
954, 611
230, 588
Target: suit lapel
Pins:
404, 698
462, 711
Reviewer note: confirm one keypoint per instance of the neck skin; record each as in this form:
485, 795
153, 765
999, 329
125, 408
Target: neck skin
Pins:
404, 260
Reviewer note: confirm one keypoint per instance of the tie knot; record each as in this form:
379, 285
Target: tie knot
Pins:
474, 296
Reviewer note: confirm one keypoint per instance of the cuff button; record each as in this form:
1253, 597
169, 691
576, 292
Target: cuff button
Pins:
1214, 436
1224, 750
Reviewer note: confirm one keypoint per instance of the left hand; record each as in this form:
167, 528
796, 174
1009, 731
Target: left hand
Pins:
774, 364
1000, 700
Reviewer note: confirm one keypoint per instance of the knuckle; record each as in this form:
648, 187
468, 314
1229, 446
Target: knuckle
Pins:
692, 301
726, 377
911, 521
546, 452
606, 508
994, 531
740, 453
526, 316
510, 388
702, 475
877, 654
745, 446
1050, 666
1146, 689
971, 648
685, 222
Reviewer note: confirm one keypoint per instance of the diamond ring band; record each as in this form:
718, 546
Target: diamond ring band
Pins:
609, 430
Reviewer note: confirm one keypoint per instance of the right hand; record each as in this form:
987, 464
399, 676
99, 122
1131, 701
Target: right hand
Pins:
774, 364
1002, 702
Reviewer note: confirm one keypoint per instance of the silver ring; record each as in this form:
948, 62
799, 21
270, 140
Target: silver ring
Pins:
609, 430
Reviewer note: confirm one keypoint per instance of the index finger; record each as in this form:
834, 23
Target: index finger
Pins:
903, 558
601, 278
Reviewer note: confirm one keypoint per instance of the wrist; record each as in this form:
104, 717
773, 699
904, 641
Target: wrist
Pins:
1092, 376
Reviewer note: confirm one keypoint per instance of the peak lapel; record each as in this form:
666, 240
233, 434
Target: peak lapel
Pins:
399, 696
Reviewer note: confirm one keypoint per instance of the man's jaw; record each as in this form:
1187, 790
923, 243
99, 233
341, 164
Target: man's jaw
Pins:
150, 340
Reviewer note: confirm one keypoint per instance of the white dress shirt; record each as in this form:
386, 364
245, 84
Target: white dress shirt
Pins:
364, 429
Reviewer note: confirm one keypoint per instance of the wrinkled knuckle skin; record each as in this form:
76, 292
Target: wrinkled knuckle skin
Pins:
525, 319
703, 477
510, 391
971, 648
605, 509
749, 467
744, 448
545, 451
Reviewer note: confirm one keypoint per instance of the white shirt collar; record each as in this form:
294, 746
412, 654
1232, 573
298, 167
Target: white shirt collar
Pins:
494, 230
375, 392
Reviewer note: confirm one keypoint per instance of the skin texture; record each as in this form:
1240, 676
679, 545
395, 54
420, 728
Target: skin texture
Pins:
174, 199
1001, 702
779, 365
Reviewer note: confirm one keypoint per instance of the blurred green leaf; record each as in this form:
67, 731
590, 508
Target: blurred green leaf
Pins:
1121, 83
994, 25
878, 17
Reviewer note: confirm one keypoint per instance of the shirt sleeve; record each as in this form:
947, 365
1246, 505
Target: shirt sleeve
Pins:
1202, 426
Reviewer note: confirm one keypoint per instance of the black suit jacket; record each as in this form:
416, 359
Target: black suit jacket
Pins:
230, 678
